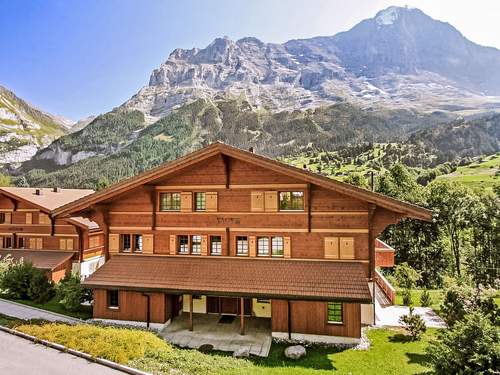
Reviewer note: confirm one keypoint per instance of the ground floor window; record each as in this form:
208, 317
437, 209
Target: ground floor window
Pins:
183, 244
241, 245
262, 246
196, 244
277, 246
21, 242
131, 242
215, 245
6, 242
126, 242
113, 299
335, 312
273, 244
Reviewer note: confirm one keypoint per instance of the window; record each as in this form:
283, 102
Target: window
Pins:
277, 246
200, 201
196, 244
7, 242
241, 245
126, 242
113, 299
138, 242
170, 201
21, 242
216, 245
262, 246
183, 246
335, 312
2, 218
291, 200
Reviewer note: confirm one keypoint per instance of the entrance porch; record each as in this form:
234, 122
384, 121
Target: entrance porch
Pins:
221, 331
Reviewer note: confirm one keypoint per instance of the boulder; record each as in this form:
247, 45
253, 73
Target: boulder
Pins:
295, 352
242, 352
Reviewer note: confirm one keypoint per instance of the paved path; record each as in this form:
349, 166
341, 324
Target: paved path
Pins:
389, 316
20, 311
20, 356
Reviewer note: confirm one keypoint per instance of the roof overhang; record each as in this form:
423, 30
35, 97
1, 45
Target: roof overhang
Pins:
230, 276
42, 259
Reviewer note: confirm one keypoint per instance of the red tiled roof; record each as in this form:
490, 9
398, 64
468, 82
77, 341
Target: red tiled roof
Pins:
271, 278
43, 259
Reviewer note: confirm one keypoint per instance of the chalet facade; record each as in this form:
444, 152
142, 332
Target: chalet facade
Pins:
58, 246
225, 231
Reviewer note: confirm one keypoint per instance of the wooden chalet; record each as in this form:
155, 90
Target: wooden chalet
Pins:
226, 231
57, 246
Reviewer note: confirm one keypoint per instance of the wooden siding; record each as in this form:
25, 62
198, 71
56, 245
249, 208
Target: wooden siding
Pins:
133, 306
311, 318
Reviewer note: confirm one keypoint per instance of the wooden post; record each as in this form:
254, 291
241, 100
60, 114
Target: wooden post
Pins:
289, 320
190, 312
242, 316
371, 239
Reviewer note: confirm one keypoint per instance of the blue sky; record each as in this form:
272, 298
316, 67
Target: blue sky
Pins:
77, 58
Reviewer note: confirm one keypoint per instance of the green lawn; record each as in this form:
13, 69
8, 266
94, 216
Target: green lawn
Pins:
436, 298
390, 353
54, 306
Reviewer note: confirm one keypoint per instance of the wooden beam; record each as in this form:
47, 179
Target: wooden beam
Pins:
309, 201
289, 311
190, 312
227, 168
153, 196
242, 316
371, 239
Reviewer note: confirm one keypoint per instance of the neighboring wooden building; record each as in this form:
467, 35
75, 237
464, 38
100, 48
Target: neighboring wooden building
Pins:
384, 254
226, 231
56, 245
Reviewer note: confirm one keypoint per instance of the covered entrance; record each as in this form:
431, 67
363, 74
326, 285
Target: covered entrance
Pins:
228, 306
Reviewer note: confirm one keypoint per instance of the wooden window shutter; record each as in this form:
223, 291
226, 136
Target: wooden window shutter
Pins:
32, 243
43, 218
62, 244
204, 242
287, 247
332, 247
252, 246
211, 201
8, 218
186, 201
39, 243
173, 244
271, 201
114, 243
29, 218
69, 244
147, 243
347, 248
257, 201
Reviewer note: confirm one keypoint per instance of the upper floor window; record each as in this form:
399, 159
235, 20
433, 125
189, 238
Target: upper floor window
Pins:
241, 245
335, 312
131, 242
6, 242
2, 218
262, 246
215, 245
183, 244
196, 244
21, 242
200, 201
277, 246
291, 200
170, 201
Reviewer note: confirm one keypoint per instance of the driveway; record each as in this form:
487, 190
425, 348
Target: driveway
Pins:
20, 311
389, 316
20, 356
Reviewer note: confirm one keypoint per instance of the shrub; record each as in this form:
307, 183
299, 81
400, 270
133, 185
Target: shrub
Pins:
413, 324
40, 289
407, 299
471, 346
16, 280
425, 298
406, 276
71, 294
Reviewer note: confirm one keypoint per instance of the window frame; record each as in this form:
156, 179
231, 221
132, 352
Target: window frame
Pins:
138, 242
339, 307
202, 201
268, 245
282, 254
109, 299
183, 245
2, 218
172, 205
290, 203
124, 236
219, 252
192, 244
237, 241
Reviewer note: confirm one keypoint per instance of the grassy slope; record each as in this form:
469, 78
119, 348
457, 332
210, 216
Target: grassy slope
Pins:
390, 353
481, 174
436, 298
